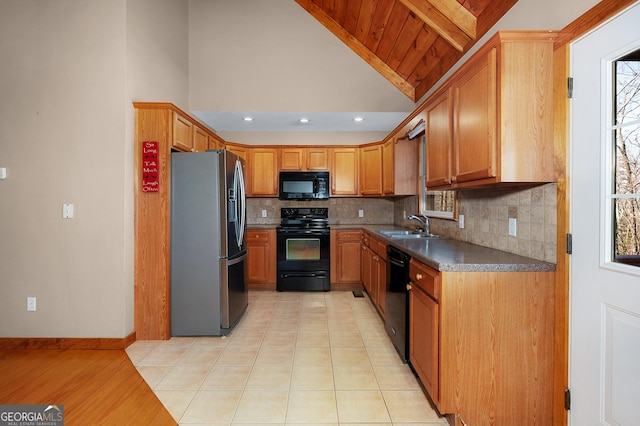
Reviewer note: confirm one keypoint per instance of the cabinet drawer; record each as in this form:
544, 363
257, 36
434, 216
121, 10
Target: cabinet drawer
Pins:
253, 235
428, 279
381, 249
348, 235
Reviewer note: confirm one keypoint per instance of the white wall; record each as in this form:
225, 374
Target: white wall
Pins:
66, 136
158, 51
257, 55
62, 138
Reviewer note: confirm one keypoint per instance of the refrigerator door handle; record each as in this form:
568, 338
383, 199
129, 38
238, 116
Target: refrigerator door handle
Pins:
235, 260
240, 205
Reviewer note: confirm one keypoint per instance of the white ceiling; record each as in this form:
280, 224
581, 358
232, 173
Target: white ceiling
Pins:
226, 121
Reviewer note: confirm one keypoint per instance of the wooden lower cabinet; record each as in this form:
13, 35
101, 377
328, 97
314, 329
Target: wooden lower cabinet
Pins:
424, 329
260, 266
380, 264
482, 344
368, 272
345, 257
374, 270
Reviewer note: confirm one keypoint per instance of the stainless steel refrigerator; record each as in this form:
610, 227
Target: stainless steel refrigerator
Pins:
208, 215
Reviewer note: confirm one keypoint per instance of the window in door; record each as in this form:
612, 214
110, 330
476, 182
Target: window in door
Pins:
625, 183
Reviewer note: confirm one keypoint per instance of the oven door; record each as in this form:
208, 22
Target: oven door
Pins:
303, 259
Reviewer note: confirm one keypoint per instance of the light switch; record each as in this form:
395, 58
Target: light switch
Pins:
360, 213
512, 226
3, 172
67, 211
461, 221
264, 213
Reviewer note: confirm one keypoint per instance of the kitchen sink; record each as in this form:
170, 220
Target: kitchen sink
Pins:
393, 232
398, 234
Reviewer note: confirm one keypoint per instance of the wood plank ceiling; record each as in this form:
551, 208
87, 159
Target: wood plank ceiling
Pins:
412, 43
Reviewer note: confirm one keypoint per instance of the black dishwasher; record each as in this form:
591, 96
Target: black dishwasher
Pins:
397, 300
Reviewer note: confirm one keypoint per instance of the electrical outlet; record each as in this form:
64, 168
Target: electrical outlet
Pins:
264, 213
512, 226
360, 213
404, 214
31, 304
461, 221
67, 211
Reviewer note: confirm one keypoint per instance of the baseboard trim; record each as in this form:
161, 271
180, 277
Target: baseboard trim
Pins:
63, 343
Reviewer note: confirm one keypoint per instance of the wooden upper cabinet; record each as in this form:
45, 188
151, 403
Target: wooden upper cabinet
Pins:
439, 140
371, 170
387, 167
239, 150
400, 166
264, 172
292, 158
303, 158
189, 136
317, 159
492, 121
182, 133
200, 139
344, 171
474, 116
215, 142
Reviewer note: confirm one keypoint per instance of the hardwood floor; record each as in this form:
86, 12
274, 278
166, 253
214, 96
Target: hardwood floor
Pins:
94, 386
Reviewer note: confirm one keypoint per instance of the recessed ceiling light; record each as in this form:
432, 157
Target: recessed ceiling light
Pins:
358, 119
247, 118
304, 120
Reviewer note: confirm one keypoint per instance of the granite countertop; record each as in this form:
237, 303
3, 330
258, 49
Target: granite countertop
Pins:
262, 227
445, 254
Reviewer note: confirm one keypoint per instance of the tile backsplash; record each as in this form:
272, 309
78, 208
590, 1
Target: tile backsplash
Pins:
342, 211
486, 220
486, 216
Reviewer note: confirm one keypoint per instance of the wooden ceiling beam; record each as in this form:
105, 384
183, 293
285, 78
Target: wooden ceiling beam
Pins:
448, 18
358, 47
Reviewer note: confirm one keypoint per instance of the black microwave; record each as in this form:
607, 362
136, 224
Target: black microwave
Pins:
304, 185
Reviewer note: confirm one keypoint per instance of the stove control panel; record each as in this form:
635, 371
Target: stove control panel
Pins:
301, 212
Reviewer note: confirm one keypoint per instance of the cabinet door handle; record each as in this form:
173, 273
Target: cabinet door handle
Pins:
418, 277
408, 287
453, 179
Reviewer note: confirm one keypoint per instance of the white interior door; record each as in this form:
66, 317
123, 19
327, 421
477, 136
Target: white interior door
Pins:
604, 360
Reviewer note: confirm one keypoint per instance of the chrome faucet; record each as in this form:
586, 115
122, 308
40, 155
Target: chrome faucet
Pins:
424, 221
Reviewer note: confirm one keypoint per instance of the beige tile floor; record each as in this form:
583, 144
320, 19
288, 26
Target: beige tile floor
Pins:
295, 358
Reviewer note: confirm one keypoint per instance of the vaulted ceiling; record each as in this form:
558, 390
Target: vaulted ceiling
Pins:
412, 43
